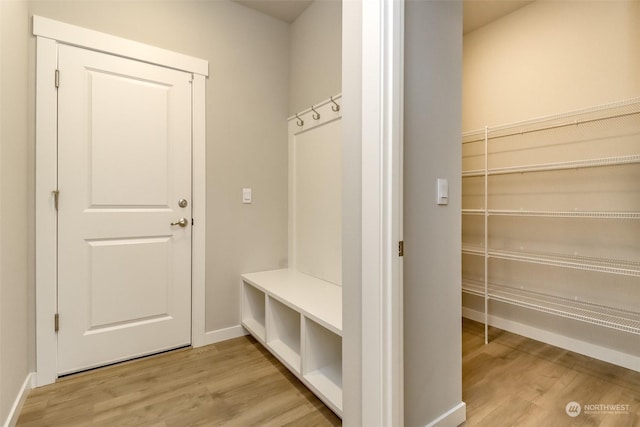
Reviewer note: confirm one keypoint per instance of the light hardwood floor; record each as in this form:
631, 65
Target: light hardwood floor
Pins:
513, 381
233, 383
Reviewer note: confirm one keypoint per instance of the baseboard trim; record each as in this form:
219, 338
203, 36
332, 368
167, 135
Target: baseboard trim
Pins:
14, 413
213, 337
605, 354
452, 418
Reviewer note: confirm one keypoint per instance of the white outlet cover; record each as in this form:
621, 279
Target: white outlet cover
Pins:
247, 196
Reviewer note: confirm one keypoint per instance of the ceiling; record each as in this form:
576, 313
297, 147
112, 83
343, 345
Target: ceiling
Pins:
284, 10
477, 13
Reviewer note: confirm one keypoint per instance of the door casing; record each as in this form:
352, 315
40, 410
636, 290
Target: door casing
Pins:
49, 34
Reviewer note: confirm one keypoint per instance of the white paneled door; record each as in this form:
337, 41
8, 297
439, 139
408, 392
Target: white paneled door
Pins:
124, 255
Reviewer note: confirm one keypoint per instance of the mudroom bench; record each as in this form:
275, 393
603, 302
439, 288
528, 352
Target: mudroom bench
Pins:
298, 318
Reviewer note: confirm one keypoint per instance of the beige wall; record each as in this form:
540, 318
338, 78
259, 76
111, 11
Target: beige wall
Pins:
14, 321
315, 71
352, 214
550, 57
432, 126
246, 101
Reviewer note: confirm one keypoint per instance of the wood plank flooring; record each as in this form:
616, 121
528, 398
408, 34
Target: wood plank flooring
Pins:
513, 381
232, 383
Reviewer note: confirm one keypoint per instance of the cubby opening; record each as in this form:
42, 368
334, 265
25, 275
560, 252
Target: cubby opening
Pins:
284, 334
323, 362
253, 311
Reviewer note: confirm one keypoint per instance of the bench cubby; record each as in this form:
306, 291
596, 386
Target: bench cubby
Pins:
299, 319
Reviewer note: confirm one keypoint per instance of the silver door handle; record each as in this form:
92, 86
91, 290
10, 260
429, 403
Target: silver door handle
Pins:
182, 222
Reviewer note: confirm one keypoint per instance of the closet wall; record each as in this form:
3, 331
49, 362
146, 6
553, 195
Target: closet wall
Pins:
432, 110
548, 58
16, 334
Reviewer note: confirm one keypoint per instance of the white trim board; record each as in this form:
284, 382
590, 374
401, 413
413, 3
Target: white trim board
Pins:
95, 40
16, 408
608, 355
452, 418
225, 334
198, 211
46, 31
382, 122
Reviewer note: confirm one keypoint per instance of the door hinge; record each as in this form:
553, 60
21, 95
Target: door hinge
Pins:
192, 222
401, 248
56, 198
56, 322
57, 79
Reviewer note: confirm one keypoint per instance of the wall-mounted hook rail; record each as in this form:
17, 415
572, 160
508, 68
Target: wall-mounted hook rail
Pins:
336, 106
316, 115
299, 122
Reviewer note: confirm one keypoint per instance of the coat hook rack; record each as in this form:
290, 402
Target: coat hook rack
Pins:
316, 115
336, 106
299, 122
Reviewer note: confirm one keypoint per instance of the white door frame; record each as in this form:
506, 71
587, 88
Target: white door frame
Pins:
382, 128
49, 34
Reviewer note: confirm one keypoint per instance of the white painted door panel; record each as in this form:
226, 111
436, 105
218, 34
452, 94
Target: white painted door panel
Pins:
124, 155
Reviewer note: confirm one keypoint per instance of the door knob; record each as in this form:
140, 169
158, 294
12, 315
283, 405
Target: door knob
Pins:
182, 222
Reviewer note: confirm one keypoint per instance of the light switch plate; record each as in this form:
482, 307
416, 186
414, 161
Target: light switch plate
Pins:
247, 196
443, 191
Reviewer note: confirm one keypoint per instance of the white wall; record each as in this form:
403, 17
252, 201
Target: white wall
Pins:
315, 71
247, 97
14, 332
550, 57
432, 126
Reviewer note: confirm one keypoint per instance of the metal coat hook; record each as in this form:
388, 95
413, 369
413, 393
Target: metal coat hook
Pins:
335, 107
299, 122
316, 115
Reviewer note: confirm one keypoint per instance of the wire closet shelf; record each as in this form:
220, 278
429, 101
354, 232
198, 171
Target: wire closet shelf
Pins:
573, 125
